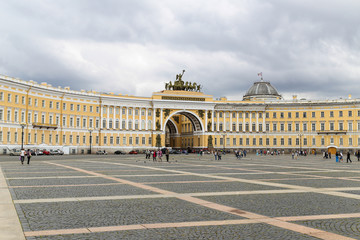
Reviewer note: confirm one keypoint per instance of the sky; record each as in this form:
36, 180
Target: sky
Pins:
307, 48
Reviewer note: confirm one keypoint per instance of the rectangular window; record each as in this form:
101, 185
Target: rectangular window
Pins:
16, 99
282, 127
260, 141
304, 127
322, 141
36, 102
340, 113
136, 139
297, 127
254, 141
72, 107
267, 127
274, 141
43, 103
341, 141
350, 142
274, 115
240, 141
289, 114
111, 140
350, 113
314, 141
143, 140
118, 140
97, 139
313, 127
267, 141
57, 105
84, 139
84, 108
130, 140
297, 114
51, 104
331, 113
64, 106
322, 114
274, 127
247, 141
281, 115
304, 115
150, 140
322, 126
332, 126
91, 109
313, 114
23, 99
289, 142
305, 141
105, 140
341, 126
282, 141
289, 127
234, 141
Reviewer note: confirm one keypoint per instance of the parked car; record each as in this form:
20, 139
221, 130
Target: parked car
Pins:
173, 151
39, 152
15, 152
119, 152
133, 152
101, 152
46, 152
59, 152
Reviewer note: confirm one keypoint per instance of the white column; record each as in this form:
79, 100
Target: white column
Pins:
114, 117
224, 124
107, 116
257, 121
154, 119
120, 118
264, 127
133, 122
244, 121
231, 121
250, 124
146, 118
140, 119
161, 118
218, 122
206, 120
237, 121
127, 118
212, 121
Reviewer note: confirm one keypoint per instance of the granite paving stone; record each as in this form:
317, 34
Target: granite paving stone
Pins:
239, 232
288, 204
65, 215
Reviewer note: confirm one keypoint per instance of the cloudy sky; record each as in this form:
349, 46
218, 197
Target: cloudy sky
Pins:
308, 48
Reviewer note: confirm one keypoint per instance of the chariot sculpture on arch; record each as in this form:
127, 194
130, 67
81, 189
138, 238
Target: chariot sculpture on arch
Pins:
179, 84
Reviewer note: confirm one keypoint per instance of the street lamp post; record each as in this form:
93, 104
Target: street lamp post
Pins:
22, 135
300, 135
90, 131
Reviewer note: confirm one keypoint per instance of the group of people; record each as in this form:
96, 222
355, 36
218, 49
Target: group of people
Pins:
24, 153
240, 154
157, 155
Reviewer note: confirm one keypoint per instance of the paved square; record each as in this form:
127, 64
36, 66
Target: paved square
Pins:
192, 197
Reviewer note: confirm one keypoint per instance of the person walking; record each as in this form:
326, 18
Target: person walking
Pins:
215, 155
348, 157
159, 154
154, 155
358, 155
167, 154
28, 155
219, 156
22, 156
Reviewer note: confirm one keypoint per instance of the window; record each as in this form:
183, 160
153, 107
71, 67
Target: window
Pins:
274, 141
289, 142
91, 108
240, 126
260, 127
1, 96
282, 127
304, 115
297, 114
340, 113
281, 115
313, 114
23, 99
97, 109
274, 127
331, 113
341, 142
16, 99
305, 141
297, 127
9, 97
247, 115
137, 140
118, 140
234, 115
267, 127
84, 108
289, 127
130, 140
313, 127
322, 141
282, 141
143, 140
84, 122
105, 140
267, 115
332, 126
78, 108
254, 142
240, 141
260, 141
77, 122
322, 114
297, 141
72, 107
350, 126
124, 141
130, 111
267, 141
350, 142
136, 112
322, 126
350, 113
57, 105
314, 141
51, 104
77, 139
341, 126
43, 103
304, 127
64, 106
36, 102
247, 141
234, 141
274, 115
84, 139
289, 114
111, 140
1, 114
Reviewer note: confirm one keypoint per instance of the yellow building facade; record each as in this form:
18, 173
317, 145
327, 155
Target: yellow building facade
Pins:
40, 116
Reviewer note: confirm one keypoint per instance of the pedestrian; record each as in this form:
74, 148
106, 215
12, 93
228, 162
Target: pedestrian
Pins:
159, 154
341, 156
22, 156
215, 155
358, 155
348, 157
167, 154
337, 157
154, 155
219, 156
292, 154
28, 154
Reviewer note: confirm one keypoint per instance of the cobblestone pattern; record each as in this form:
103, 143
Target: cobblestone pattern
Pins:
167, 178
289, 204
78, 191
58, 181
240, 232
212, 187
349, 227
61, 215
321, 183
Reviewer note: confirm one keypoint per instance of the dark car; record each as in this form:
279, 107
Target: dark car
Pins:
119, 152
133, 152
173, 151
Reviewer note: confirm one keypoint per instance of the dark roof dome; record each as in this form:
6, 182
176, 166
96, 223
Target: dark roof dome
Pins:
262, 90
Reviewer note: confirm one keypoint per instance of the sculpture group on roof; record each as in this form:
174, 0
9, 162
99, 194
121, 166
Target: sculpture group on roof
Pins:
179, 84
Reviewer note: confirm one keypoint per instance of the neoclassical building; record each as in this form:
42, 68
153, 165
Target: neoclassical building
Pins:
40, 116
